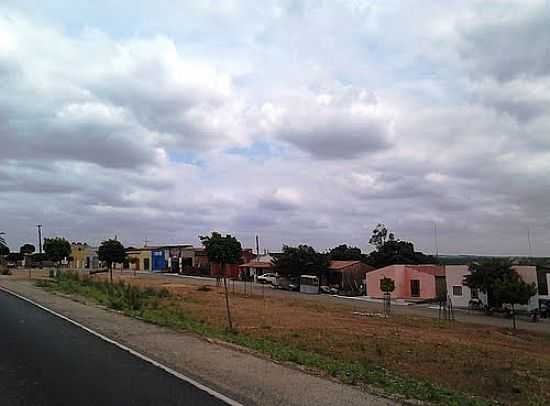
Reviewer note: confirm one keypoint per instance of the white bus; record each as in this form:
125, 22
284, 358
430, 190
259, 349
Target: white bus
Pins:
309, 284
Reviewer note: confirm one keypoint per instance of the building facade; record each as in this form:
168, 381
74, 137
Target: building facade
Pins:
411, 281
462, 296
83, 256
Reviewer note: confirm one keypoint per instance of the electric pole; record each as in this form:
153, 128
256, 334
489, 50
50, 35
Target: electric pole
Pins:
39, 226
436, 242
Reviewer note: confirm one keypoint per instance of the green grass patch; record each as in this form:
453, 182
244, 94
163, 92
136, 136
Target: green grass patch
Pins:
158, 307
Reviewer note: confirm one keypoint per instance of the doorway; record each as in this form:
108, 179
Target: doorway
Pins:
415, 288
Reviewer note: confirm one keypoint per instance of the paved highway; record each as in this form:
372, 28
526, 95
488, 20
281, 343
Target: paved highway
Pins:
45, 360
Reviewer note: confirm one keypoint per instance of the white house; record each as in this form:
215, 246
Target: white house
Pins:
461, 295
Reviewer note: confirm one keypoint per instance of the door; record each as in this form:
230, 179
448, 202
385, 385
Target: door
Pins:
145, 264
415, 288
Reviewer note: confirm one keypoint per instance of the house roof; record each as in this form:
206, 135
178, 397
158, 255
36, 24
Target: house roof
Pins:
256, 264
337, 265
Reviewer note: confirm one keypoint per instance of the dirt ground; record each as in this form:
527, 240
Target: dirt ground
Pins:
498, 363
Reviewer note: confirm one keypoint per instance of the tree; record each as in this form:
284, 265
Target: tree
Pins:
344, 253
391, 251
57, 249
379, 234
484, 276
111, 252
398, 252
513, 290
300, 260
223, 250
387, 285
27, 249
4, 249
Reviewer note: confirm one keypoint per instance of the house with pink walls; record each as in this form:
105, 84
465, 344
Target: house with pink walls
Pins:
411, 281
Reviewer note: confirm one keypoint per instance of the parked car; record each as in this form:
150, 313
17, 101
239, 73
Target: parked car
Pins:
270, 278
328, 290
294, 284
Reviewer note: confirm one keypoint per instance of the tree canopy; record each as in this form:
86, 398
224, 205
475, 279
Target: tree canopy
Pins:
387, 285
222, 249
111, 252
380, 235
57, 249
27, 249
493, 277
514, 290
394, 252
344, 253
300, 260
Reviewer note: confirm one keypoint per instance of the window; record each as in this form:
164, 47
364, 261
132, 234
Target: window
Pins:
475, 293
457, 290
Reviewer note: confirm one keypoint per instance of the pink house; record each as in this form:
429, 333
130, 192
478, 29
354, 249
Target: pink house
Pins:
411, 281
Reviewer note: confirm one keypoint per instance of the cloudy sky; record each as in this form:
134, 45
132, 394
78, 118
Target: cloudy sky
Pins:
302, 121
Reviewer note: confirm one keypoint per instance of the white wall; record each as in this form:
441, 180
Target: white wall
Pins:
454, 275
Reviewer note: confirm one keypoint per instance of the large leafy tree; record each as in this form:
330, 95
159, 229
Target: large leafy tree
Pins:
344, 253
300, 260
27, 249
484, 276
223, 250
398, 252
57, 249
392, 251
111, 252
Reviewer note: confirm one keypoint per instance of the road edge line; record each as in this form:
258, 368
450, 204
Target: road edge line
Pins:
165, 368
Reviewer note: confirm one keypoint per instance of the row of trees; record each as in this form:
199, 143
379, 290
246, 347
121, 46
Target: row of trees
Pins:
388, 251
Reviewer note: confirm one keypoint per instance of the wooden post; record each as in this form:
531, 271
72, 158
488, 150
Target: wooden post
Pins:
228, 311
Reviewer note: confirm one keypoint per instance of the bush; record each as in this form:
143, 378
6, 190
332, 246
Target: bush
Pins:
119, 296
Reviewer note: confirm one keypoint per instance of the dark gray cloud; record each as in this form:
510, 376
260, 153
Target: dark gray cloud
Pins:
511, 47
338, 139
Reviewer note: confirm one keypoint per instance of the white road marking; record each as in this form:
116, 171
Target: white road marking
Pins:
177, 374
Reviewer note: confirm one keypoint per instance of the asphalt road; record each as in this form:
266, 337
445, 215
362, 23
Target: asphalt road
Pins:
45, 360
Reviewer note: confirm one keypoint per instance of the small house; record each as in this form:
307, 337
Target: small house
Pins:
411, 281
462, 296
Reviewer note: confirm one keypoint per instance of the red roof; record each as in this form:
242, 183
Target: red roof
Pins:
257, 264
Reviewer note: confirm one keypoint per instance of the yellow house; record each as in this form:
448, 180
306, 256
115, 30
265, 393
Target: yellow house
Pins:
139, 258
83, 256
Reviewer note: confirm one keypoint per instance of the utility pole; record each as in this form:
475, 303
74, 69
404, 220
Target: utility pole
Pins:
529, 242
145, 242
435, 241
257, 245
39, 226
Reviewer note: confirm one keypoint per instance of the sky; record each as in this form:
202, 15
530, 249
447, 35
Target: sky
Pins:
301, 121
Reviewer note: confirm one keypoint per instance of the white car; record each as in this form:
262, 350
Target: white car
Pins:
268, 278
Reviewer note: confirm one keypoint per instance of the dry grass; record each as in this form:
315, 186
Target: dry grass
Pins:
512, 367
